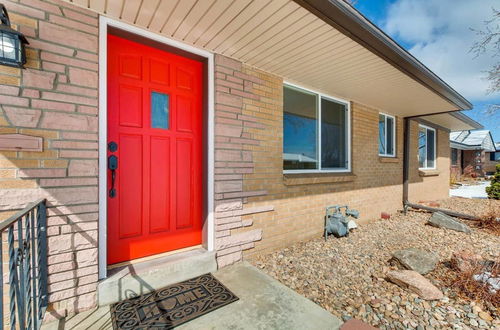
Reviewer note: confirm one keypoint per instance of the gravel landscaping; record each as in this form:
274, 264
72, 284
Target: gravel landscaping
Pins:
347, 276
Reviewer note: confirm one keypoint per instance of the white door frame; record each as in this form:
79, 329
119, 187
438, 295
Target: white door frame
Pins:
208, 228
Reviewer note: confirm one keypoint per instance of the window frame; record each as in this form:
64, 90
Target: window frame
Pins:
435, 146
320, 96
454, 151
493, 156
393, 137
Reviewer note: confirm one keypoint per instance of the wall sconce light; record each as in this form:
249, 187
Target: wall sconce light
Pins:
12, 52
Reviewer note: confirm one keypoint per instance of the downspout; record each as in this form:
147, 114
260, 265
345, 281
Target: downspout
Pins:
406, 157
406, 161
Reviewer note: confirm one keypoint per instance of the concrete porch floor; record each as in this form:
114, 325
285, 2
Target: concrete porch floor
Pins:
264, 304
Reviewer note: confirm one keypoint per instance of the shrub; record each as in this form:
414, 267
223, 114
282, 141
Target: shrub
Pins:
493, 190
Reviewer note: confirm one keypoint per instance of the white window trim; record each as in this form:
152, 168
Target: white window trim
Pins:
393, 135
318, 140
435, 139
208, 235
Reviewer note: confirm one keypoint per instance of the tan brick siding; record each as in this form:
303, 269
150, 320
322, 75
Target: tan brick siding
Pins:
436, 186
296, 203
55, 97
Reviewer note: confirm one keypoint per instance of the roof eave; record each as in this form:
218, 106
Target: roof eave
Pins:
467, 119
353, 24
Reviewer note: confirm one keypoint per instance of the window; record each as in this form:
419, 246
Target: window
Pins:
454, 156
159, 110
426, 147
495, 156
315, 132
386, 135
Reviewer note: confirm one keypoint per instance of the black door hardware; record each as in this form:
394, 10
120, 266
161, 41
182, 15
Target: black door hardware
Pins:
113, 166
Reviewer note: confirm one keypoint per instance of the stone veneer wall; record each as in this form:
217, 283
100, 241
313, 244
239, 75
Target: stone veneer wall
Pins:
55, 97
243, 99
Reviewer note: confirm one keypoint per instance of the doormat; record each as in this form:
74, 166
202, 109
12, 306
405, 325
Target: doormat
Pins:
173, 305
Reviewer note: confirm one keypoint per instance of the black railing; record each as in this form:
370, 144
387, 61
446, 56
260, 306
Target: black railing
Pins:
24, 236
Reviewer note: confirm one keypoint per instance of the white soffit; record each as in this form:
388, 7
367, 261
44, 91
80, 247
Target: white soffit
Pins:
281, 37
451, 122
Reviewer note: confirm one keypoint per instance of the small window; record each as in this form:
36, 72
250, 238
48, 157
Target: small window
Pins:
315, 132
454, 156
426, 147
159, 110
495, 156
386, 135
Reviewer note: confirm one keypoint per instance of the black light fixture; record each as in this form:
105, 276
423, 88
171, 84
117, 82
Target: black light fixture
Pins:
12, 52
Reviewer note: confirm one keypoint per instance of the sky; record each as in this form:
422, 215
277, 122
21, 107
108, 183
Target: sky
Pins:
438, 33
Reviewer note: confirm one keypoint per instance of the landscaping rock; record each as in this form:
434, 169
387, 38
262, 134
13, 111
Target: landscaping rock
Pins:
354, 324
466, 261
415, 282
485, 316
418, 260
343, 275
442, 220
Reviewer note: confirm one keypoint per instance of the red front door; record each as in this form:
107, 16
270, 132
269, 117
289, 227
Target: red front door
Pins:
155, 138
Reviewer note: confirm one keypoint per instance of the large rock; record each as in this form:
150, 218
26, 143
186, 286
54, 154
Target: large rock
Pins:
442, 220
415, 282
420, 261
466, 261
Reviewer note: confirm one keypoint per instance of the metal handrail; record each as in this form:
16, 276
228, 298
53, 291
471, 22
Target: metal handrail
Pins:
19, 214
27, 300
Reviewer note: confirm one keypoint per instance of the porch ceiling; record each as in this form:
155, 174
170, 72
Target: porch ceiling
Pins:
281, 37
455, 121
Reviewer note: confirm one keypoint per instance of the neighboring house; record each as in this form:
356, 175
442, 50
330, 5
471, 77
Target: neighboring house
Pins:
234, 123
470, 153
492, 158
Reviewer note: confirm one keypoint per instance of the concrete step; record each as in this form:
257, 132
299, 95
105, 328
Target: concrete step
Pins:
264, 303
137, 279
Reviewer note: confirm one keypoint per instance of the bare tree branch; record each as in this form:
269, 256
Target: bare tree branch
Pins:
489, 40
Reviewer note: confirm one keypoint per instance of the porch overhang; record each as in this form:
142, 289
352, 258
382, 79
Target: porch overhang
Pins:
321, 44
453, 121
461, 146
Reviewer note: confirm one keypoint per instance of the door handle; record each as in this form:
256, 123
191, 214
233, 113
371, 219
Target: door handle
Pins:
113, 166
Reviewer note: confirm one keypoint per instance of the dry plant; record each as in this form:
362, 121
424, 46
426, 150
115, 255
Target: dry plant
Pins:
479, 291
490, 221
462, 284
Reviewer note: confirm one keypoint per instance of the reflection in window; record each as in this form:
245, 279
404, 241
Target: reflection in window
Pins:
159, 110
313, 124
333, 134
386, 136
300, 130
426, 147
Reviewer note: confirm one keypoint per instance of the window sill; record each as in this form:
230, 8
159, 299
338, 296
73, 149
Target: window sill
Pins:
317, 178
388, 159
428, 172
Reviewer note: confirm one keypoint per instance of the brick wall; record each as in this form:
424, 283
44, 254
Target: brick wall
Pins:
489, 165
429, 185
275, 210
55, 97
474, 161
249, 168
